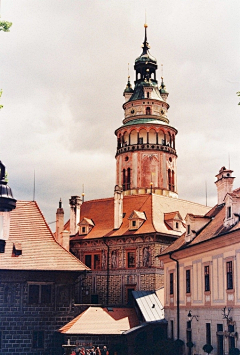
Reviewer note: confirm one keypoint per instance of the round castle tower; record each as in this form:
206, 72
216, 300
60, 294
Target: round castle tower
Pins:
146, 154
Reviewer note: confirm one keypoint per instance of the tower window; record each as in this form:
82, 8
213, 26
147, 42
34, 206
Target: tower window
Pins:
148, 110
148, 95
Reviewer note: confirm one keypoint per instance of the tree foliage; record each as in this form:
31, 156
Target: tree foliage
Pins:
5, 25
238, 94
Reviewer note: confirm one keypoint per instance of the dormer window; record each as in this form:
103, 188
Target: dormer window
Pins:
177, 225
85, 226
229, 212
188, 229
136, 219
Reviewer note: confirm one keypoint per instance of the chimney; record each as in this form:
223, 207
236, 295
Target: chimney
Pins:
224, 183
118, 206
59, 222
65, 239
75, 205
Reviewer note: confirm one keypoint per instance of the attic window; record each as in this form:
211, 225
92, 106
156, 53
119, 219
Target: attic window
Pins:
177, 225
188, 229
134, 223
83, 230
17, 249
229, 212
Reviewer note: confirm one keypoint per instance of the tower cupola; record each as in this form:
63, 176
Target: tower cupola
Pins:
127, 93
146, 154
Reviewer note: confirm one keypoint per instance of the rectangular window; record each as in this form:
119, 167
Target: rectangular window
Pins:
39, 293
93, 261
83, 230
88, 260
46, 293
172, 329
97, 264
131, 259
188, 229
229, 212
33, 294
171, 283
229, 275
140, 140
177, 225
207, 278
134, 223
38, 339
220, 339
188, 281
208, 333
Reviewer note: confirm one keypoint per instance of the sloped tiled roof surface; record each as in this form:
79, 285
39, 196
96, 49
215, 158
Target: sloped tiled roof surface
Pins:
97, 320
149, 305
40, 251
101, 212
212, 229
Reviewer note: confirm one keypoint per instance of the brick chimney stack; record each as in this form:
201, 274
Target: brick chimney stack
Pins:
118, 206
75, 203
59, 222
224, 183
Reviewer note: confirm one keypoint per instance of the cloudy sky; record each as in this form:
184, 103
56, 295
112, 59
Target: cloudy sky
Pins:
63, 69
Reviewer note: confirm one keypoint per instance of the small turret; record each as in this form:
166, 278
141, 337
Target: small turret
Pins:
163, 91
127, 93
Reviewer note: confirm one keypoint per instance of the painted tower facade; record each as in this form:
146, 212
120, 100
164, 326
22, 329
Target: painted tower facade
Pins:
146, 154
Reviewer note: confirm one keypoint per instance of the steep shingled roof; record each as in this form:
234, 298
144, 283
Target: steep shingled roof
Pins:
40, 251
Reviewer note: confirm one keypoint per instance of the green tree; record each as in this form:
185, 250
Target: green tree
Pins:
5, 25
238, 94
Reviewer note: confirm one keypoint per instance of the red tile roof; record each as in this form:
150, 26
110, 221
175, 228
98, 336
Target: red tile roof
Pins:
40, 251
97, 320
101, 212
211, 230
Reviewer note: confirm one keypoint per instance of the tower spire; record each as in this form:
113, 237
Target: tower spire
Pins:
145, 43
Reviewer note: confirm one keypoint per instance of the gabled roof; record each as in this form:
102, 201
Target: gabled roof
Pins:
149, 305
137, 214
97, 320
214, 228
40, 251
153, 206
172, 215
86, 221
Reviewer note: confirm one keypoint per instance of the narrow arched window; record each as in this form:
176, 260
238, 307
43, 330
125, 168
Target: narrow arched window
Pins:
148, 95
128, 178
148, 111
172, 187
169, 179
124, 179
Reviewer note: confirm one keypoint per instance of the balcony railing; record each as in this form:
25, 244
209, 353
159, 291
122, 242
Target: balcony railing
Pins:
145, 146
